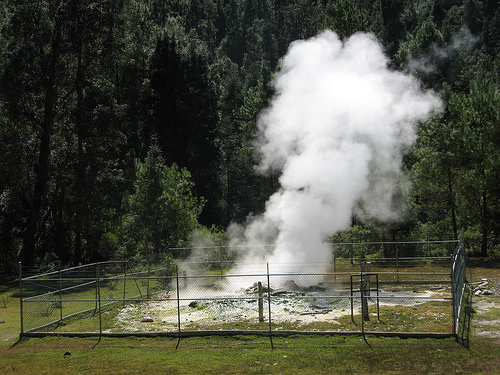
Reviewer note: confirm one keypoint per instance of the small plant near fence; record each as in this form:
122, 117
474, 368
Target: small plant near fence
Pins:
5, 300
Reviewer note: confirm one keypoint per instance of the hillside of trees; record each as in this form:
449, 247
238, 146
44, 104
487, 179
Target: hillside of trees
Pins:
125, 125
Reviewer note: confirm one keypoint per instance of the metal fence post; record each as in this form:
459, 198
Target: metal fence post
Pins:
124, 281
260, 302
21, 297
335, 263
364, 310
149, 274
453, 296
457, 284
60, 292
221, 260
397, 262
96, 287
269, 299
178, 307
352, 299
99, 299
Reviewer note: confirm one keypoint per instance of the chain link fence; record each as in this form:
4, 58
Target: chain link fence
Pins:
203, 295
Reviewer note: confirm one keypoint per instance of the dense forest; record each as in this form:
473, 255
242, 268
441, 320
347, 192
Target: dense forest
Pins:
125, 125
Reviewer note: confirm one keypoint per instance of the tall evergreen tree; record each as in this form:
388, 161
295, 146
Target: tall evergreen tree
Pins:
184, 110
478, 113
32, 76
163, 210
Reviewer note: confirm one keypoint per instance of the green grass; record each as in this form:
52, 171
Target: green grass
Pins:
43, 303
249, 355
492, 313
299, 354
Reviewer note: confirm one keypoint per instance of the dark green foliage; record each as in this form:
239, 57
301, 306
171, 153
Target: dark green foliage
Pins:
346, 18
85, 84
184, 109
163, 212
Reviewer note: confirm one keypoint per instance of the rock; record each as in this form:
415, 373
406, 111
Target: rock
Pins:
147, 319
291, 285
193, 304
255, 288
2, 321
284, 293
321, 304
315, 288
487, 292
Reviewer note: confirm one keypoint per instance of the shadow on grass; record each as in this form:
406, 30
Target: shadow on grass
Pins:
20, 340
484, 262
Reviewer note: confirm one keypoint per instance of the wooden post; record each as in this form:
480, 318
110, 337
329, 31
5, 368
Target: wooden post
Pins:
261, 303
366, 269
184, 273
365, 290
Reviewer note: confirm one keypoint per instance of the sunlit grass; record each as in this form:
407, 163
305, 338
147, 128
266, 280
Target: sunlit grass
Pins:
250, 355
298, 354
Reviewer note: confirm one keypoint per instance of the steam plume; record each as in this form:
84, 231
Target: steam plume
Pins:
438, 55
336, 131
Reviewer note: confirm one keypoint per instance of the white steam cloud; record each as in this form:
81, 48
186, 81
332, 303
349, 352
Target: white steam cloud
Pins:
336, 131
428, 63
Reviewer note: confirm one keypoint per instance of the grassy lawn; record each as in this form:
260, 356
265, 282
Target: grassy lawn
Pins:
246, 354
249, 355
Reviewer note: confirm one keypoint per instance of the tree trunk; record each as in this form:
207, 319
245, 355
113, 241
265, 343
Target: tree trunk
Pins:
28, 252
79, 178
41, 169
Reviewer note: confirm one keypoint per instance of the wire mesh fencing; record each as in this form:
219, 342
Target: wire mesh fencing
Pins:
398, 295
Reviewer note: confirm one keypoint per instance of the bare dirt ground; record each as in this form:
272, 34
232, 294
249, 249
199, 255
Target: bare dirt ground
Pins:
486, 298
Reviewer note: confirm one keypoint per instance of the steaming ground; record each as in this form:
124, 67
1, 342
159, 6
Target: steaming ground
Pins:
336, 131
287, 307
